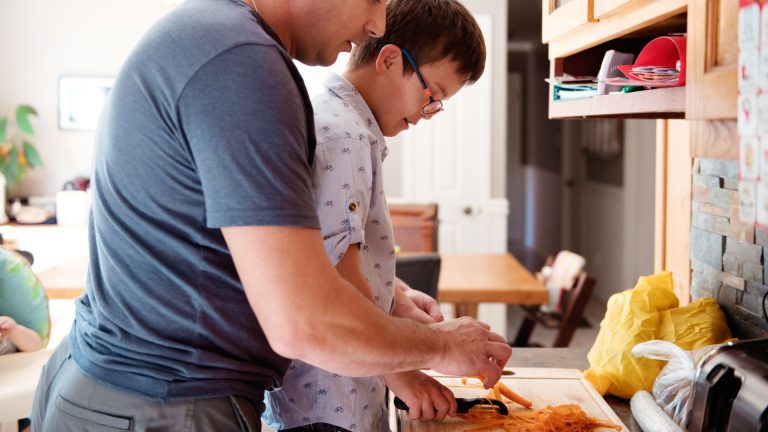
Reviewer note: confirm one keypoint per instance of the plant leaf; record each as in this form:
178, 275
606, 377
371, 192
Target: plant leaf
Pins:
32, 156
22, 118
3, 125
12, 169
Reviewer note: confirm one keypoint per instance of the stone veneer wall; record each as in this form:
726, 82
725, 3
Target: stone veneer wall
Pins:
728, 258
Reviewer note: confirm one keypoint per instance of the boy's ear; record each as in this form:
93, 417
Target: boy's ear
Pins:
390, 59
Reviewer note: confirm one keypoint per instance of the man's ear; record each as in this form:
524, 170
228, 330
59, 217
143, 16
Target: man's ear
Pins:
390, 59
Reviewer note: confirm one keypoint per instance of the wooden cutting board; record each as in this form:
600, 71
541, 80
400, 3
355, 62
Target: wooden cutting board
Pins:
542, 386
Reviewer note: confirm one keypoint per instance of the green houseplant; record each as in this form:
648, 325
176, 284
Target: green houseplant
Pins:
17, 152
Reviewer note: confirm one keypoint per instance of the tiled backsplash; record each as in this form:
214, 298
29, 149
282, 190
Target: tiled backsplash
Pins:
728, 258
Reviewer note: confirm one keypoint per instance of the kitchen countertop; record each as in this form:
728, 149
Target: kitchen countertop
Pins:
571, 358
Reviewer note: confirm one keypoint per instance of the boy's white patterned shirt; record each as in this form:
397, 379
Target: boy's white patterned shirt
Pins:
352, 209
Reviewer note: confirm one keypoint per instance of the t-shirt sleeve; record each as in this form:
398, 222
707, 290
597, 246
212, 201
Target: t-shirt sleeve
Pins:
244, 124
341, 183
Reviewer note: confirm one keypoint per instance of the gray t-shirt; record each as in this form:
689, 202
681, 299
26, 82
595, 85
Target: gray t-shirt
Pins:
208, 125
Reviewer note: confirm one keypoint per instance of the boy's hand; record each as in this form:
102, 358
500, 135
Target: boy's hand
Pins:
425, 303
426, 398
7, 324
415, 305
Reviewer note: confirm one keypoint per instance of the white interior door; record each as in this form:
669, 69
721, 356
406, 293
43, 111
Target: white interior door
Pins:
447, 160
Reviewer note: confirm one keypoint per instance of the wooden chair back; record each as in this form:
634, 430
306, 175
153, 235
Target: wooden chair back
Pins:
414, 226
576, 300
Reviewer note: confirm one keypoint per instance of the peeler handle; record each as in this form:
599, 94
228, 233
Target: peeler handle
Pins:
463, 405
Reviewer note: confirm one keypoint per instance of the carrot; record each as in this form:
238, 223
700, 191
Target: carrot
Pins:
514, 397
497, 390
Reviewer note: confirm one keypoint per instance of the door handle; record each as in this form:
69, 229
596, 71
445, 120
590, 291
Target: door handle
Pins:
468, 210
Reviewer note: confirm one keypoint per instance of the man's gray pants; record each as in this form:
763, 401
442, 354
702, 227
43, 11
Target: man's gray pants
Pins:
68, 400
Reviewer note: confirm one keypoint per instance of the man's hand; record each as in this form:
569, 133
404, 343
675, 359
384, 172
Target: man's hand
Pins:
472, 350
415, 305
426, 398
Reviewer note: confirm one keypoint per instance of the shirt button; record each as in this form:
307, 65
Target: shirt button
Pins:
352, 206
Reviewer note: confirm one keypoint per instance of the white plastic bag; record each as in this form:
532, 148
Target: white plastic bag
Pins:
672, 388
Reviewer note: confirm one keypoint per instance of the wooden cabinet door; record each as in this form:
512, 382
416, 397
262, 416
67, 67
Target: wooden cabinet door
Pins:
712, 59
561, 16
674, 170
606, 8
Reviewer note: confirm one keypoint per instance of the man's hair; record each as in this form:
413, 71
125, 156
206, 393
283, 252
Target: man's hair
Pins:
431, 30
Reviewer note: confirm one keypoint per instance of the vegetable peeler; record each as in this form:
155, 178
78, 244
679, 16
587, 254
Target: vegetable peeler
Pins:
464, 404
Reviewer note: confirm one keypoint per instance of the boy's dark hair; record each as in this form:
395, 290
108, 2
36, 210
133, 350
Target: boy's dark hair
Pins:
431, 30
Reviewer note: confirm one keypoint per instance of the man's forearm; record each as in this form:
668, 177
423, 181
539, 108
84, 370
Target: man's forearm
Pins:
361, 340
308, 311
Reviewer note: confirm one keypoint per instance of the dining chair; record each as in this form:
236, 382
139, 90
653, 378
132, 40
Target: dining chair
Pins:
565, 321
420, 272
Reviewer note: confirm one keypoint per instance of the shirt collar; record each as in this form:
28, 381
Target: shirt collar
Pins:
345, 91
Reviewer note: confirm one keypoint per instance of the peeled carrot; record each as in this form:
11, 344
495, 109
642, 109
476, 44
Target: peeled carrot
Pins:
514, 397
500, 389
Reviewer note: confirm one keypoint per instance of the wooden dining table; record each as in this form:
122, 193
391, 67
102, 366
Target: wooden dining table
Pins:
65, 280
466, 280
60, 255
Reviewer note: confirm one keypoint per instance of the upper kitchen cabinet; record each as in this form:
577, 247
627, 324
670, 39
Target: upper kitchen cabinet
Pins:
580, 32
606, 8
713, 58
563, 16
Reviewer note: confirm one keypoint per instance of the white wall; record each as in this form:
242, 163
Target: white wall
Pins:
613, 225
41, 40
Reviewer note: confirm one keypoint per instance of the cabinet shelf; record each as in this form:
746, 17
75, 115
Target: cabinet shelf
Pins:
657, 103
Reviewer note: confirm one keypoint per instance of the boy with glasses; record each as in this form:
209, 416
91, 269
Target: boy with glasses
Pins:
431, 49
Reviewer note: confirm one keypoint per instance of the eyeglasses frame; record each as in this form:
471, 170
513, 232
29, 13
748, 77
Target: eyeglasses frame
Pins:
427, 91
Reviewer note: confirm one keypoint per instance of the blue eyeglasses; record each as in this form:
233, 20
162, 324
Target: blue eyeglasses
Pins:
433, 106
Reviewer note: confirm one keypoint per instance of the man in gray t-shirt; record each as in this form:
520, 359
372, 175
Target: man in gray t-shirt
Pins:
207, 269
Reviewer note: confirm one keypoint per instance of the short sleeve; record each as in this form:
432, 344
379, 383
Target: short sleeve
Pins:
341, 183
245, 126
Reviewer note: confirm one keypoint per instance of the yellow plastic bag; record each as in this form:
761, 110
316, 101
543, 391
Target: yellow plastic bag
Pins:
694, 326
648, 311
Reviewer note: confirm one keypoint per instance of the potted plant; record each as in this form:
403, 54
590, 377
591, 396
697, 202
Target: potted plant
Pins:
17, 152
